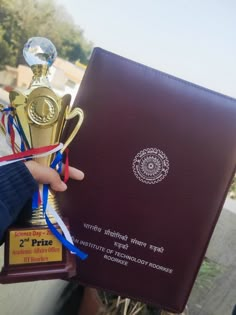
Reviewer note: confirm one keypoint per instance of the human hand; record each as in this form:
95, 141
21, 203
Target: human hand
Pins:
46, 175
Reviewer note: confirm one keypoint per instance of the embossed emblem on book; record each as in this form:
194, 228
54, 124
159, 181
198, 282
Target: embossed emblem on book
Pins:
150, 166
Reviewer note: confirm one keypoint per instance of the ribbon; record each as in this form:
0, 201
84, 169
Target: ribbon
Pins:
11, 132
29, 154
67, 240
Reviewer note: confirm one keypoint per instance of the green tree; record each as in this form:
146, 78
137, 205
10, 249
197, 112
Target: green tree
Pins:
22, 19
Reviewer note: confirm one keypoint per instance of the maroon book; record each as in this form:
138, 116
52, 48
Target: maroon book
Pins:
158, 155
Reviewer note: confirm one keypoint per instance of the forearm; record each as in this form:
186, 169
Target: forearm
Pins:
16, 187
18, 181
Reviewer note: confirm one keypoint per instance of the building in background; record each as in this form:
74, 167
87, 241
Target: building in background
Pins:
64, 76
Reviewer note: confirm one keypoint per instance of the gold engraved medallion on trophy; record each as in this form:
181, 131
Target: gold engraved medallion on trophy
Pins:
43, 110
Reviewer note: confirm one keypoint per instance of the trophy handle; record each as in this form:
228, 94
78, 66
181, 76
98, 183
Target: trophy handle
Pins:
76, 112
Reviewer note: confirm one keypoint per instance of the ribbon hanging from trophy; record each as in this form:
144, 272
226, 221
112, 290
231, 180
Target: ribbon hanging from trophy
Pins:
67, 240
12, 130
9, 126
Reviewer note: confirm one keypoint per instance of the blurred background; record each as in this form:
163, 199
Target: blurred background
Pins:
21, 20
193, 40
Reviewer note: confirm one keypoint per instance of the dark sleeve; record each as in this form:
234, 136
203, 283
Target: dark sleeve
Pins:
16, 187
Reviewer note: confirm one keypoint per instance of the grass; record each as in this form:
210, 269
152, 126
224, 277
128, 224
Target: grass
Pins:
232, 190
117, 305
207, 273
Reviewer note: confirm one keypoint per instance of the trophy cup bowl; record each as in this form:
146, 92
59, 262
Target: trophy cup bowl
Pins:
41, 116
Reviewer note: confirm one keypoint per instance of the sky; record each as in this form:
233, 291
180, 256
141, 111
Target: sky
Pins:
192, 39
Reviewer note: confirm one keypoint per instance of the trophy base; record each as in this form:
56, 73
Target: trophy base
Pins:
34, 253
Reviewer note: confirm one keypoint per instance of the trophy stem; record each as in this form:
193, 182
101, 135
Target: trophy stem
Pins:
37, 218
40, 76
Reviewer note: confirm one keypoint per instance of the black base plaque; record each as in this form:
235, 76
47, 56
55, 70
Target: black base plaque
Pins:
34, 253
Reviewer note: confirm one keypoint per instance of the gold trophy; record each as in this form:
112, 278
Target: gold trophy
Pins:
32, 252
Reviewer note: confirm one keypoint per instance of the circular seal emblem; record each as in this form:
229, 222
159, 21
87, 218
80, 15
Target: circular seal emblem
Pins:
150, 166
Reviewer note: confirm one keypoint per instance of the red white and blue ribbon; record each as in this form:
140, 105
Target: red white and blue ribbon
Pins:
66, 240
29, 154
